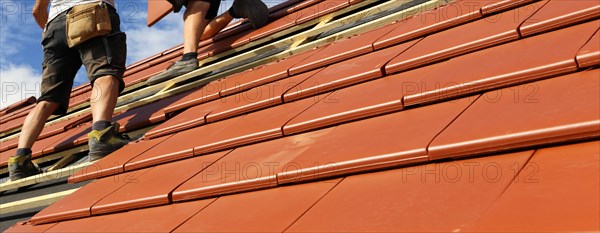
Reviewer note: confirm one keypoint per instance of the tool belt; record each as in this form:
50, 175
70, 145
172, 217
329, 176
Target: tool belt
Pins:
87, 21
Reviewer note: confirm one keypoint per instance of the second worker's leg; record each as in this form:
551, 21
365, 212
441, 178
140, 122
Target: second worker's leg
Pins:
216, 25
194, 22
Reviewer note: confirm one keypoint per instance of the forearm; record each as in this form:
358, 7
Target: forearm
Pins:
40, 12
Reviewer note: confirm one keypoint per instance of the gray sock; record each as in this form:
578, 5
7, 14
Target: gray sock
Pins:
23, 151
101, 125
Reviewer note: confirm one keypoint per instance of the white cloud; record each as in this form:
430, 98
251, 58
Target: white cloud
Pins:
143, 41
18, 82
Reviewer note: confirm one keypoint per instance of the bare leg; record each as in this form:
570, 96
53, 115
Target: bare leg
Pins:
194, 24
216, 25
34, 123
104, 98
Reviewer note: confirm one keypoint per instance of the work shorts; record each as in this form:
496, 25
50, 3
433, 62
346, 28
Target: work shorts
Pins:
213, 10
101, 56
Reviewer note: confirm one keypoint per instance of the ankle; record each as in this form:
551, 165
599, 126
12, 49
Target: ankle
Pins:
189, 56
101, 125
23, 151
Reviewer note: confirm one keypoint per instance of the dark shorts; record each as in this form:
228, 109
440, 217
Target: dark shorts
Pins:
101, 56
213, 10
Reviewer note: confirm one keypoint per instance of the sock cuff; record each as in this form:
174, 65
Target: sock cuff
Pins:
101, 125
189, 56
23, 151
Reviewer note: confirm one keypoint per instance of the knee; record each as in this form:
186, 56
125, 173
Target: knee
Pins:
46, 106
106, 81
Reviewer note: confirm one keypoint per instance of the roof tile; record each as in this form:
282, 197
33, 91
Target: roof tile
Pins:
374, 143
524, 60
558, 13
442, 18
466, 38
589, 55
415, 199
270, 210
155, 186
346, 73
144, 220
537, 199
114, 163
79, 203
549, 111
342, 50
263, 75
256, 98
247, 168
364, 100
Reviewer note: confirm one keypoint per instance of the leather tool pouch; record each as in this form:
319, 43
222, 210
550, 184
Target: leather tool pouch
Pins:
87, 21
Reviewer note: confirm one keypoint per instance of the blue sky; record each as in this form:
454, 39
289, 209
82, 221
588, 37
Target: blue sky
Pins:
21, 52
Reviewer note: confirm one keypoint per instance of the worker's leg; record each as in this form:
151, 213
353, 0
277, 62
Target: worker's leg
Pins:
60, 65
194, 22
104, 98
216, 25
255, 10
104, 60
20, 165
34, 123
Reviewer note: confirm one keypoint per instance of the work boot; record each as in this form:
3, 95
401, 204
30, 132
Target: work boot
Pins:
177, 4
104, 142
177, 69
20, 167
256, 11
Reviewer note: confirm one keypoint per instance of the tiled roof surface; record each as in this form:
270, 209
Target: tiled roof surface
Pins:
474, 116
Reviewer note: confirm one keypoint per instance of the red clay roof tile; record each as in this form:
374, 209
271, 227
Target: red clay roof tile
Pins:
589, 55
374, 143
18, 105
495, 6
320, 9
439, 197
364, 100
524, 60
558, 13
190, 118
155, 186
270, 210
79, 203
203, 94
553, 110
483, 33
247, 168
114, 163
263, 75
346, 73
251, 128
342, 50
256, 98
555, 191
442, 18
179, 146
159, 219
26, 227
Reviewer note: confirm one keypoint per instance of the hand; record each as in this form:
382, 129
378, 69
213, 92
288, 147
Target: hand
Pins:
40, 12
